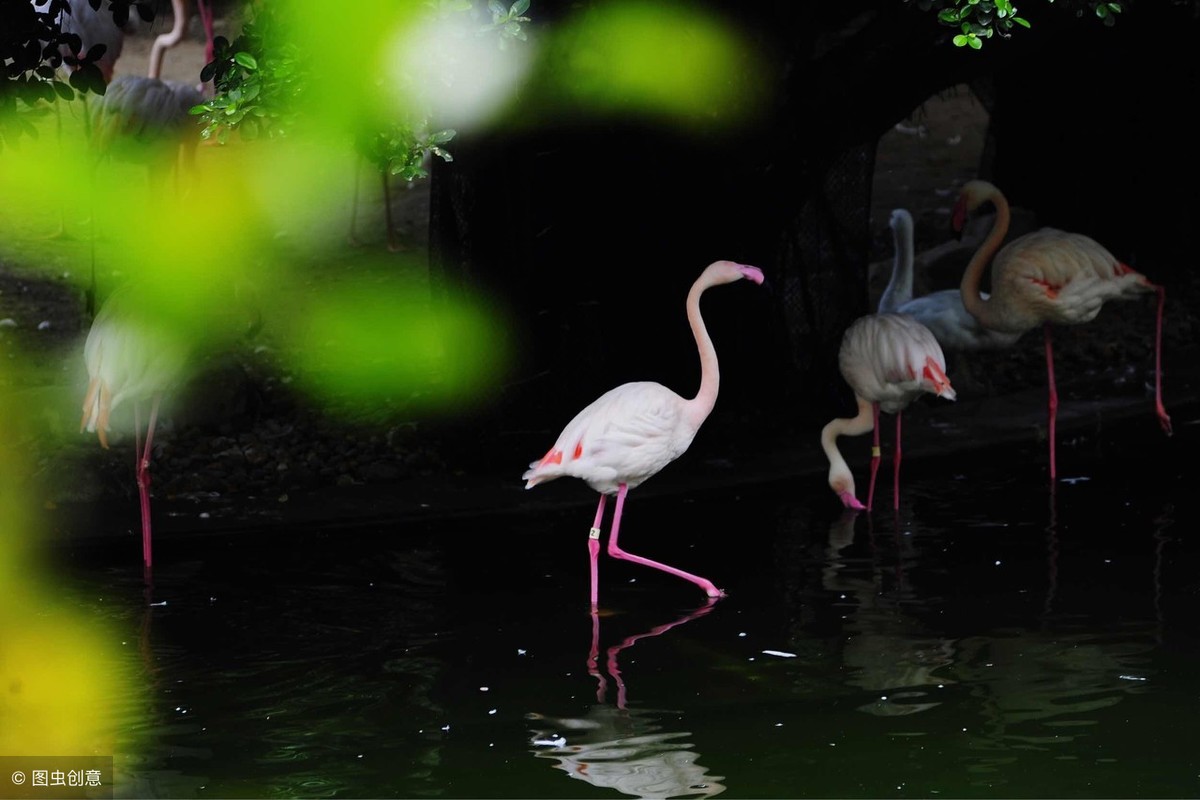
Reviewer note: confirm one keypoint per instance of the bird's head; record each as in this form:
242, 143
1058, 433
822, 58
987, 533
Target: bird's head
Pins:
900, 219
937, 381
842, 484
972, 195
720, 272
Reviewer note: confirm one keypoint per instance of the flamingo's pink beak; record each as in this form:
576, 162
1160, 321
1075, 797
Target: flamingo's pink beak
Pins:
751, 273
850, 501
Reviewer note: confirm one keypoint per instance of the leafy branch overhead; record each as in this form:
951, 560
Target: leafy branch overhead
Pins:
977, 20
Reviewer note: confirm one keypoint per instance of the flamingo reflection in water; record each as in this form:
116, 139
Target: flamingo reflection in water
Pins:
887, 652
620, 748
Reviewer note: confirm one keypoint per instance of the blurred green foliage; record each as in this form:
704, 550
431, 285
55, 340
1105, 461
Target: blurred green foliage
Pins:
267, 79
662, 60
66, 677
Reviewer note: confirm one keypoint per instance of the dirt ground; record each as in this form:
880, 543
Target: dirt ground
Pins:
255, 437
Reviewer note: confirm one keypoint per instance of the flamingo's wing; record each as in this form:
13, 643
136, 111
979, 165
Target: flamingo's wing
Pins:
625, 435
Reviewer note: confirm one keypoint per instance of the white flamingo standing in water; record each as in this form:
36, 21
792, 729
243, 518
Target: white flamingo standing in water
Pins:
631, 432
129, 360
1048, 277
942, 311
889, 360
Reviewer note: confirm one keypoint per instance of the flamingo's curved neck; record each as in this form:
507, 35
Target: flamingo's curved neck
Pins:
899, 289
837, 464
710, 375
840, 477
973, 275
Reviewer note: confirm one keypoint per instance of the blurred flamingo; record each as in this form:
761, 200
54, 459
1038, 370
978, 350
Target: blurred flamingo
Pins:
139, 352
631, 432
889, 360
1045, 277
146, 120
128, 358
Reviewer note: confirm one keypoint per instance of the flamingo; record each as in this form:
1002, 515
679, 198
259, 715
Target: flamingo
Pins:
1044, 278
146, 120
942, 311
631, 432
889, 360
129, 359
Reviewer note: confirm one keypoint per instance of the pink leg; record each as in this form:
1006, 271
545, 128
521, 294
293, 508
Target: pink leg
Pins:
206, 18
1053, 406
1159, 409
143, 498
875, 456
143, 481
896, 466
594, 551
617, 552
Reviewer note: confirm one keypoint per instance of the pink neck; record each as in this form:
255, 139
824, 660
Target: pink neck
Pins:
710, 375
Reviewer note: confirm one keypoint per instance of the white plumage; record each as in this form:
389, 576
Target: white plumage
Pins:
892, 359
128, 359
625, 436
1048, 275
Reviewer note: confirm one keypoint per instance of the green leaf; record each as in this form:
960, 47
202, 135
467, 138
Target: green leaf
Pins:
960, 40
975, 42
1024, 23
1115, 7
245, 60
1101, 11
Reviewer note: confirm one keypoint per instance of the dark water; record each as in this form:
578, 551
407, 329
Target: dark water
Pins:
991, 639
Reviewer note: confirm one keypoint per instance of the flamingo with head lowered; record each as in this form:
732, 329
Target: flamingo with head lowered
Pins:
1048, 277
631, 432
889, 360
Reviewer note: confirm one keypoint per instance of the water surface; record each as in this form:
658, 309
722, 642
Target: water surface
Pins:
992, 638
